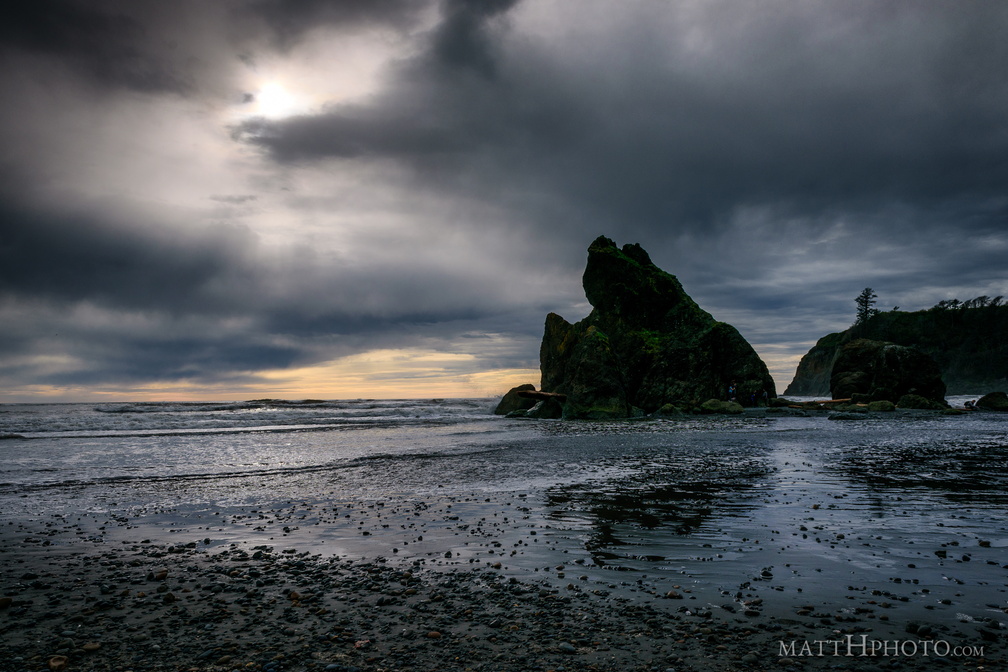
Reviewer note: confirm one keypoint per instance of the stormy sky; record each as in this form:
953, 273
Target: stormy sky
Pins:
384, 198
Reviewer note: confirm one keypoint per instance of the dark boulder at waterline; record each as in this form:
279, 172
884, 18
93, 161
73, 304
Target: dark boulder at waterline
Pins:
995, 401
513, 401
646, 344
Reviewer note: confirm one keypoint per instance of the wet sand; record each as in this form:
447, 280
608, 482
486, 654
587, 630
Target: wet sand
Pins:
469, 583
721, 544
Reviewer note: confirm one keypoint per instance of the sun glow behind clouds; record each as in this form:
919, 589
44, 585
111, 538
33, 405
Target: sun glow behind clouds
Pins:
274, 101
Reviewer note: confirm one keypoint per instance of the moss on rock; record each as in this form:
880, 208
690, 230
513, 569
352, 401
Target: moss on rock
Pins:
720, 407
917, 402
645, 345
994, 401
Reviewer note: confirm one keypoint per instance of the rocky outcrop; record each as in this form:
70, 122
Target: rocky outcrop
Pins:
867, 370
994, 401
515, 401
967, 343
812, 378
645, 346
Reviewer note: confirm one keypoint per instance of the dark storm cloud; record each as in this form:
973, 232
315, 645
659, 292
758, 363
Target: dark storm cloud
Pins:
776, 156
77, 257
221, 272
289, 20
178, 47
100, 40
812, 108
463, 40
137, 302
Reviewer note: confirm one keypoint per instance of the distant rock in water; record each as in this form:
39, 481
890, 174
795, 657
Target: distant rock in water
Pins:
994, 401
866, 371
969, 345
645, 346
513, 401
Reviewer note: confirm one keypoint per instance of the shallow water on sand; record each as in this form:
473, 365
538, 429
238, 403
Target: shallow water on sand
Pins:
908, 510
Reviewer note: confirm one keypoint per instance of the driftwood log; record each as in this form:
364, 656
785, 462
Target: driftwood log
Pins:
542, 396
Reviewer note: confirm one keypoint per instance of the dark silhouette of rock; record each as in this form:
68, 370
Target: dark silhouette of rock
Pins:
867, 370
968, 344
995, 401
514, 401
546, 409
645, 345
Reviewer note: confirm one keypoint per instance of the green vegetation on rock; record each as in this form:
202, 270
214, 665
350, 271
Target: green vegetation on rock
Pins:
718, 406
995, 401
646, 344
915, 401
967, 340
867, 370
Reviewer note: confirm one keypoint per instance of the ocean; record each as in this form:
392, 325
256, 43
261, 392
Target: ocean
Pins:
908, 507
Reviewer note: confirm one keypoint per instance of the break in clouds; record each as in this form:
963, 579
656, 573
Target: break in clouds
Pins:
431, 174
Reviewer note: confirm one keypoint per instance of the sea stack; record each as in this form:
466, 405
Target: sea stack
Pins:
646, 345
867, 370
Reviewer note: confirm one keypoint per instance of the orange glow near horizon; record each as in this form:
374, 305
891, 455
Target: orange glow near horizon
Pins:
379, 374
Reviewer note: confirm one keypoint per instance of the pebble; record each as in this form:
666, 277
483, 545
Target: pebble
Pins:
314, 608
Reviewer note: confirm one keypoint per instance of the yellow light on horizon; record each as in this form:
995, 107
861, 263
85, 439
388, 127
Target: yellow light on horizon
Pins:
378, 374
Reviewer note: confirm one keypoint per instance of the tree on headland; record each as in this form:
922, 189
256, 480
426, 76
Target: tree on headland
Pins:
865, 306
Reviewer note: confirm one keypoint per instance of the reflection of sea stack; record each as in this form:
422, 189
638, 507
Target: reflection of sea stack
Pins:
645, 345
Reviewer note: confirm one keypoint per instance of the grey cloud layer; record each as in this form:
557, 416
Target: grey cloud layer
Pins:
777, 156
883, 124
818, 108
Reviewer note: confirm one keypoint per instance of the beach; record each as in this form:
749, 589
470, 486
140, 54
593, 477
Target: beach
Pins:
431, 536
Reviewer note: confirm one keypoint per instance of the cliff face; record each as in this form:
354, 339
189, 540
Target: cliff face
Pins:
812, 378
645, 344
968, 344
